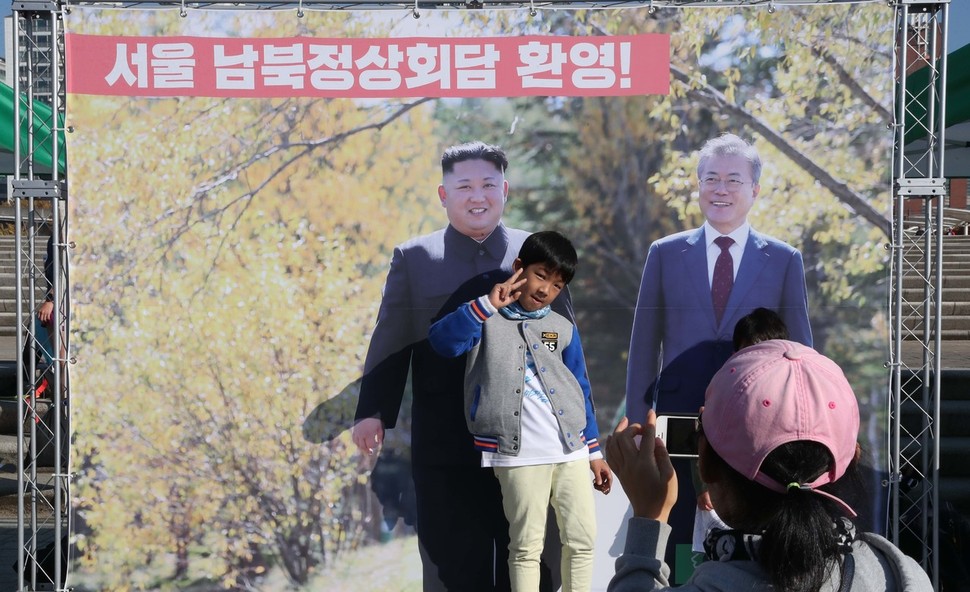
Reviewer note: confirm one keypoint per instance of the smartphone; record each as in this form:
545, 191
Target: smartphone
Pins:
679, 434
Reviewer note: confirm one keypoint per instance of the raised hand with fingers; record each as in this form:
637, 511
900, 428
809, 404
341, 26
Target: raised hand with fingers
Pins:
507, 292
644, 470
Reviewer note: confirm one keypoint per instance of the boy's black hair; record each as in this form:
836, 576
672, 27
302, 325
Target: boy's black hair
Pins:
761, 324
473, 151
552, 249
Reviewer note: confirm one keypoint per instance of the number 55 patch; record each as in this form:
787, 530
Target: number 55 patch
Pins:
550, 339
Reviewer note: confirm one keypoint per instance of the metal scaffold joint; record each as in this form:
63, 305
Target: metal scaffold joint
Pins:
35, 6
36, 188
921, 187
928, 4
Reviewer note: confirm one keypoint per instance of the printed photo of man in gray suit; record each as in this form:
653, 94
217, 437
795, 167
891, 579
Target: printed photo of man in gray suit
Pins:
695, 287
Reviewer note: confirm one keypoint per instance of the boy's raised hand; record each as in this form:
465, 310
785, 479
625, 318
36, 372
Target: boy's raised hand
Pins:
507, 292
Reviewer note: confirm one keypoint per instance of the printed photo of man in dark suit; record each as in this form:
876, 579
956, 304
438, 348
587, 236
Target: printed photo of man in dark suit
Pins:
461, 526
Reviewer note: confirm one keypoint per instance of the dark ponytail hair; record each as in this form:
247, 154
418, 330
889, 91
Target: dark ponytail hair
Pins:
799, 547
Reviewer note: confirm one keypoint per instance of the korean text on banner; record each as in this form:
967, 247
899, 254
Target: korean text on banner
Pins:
369, 68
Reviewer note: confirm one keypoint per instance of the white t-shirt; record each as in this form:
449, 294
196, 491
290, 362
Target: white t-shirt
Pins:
541, 441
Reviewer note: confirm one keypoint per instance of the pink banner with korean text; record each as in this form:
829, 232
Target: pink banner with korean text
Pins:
371, 68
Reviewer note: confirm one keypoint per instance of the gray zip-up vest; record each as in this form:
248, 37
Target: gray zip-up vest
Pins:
495, 378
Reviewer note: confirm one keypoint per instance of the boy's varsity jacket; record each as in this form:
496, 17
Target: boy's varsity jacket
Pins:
495, 374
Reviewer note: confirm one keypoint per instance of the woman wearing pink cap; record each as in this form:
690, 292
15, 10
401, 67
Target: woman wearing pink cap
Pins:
777, 449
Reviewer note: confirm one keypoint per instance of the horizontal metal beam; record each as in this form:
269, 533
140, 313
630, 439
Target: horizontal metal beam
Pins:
921, 187
453, 4
937, 3
36, 188
35, 6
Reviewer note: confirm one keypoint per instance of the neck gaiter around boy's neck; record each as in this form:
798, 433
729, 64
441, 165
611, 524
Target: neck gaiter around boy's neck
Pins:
515, 312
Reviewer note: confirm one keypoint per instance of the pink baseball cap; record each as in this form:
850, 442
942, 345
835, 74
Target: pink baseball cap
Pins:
775, 392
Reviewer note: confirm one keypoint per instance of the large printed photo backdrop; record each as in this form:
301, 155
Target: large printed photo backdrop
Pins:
231, 253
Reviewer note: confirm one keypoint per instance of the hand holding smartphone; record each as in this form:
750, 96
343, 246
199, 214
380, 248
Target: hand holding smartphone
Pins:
679, 434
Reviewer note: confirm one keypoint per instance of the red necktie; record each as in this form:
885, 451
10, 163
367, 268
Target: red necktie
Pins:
723, 277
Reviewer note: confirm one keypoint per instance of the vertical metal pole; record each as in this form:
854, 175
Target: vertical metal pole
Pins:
61, 468
921, 38
30, 322
900, 66
33, 43
938, 283
18, 295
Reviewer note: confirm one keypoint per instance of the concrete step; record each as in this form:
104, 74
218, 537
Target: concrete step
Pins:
945, 335
962, 247
8, 273
8, 248
9, 292
9, 261
962, 268
918, 252
955, 417
8, 414
918, 273
8, 277
949, 281
45, 449
954, 431
954, 451
10, 239
8, 309
948, 323
949, 296
955, 490
954, 386
960, 261
955, 308
11, 305
9, 323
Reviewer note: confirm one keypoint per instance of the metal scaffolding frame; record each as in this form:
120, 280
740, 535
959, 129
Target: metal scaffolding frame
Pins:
40, 201
40, 208
917, 249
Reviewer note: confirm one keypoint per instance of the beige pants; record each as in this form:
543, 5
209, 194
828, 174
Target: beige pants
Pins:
526, 494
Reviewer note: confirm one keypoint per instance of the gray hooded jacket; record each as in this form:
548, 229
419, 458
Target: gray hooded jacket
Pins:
879, 566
